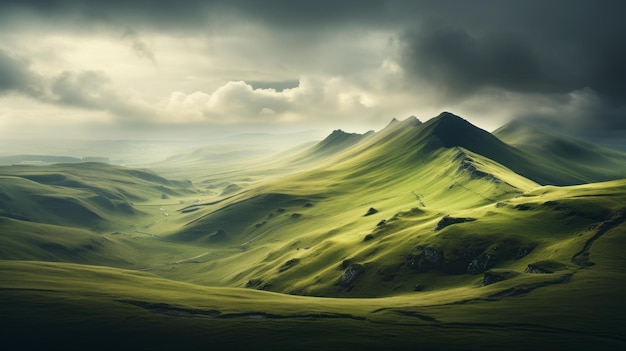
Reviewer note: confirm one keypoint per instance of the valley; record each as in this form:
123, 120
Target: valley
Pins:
423, 235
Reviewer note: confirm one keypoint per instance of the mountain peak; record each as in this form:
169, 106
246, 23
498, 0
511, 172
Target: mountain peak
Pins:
448, 118
409, 121
446, 114
452, 130
338, 140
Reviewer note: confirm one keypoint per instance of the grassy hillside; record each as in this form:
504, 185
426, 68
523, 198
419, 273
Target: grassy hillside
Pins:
433, 235
64, 306
87, 195
22, 240
302, 233
584, 162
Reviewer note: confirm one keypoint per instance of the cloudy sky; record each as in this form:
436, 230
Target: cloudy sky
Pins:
106, 69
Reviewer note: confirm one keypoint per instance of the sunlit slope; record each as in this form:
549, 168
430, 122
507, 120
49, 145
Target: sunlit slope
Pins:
310, 232
577, 161
545, 230
87, 195
319, 215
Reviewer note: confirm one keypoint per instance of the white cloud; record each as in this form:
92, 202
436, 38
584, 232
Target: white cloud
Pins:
313, 100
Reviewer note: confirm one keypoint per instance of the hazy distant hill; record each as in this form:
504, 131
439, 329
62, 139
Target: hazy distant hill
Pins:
574, 160
88, 195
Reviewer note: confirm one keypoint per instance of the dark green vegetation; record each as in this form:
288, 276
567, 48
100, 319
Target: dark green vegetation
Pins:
434, 235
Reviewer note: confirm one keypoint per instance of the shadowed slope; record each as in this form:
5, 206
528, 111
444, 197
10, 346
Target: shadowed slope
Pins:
581, 161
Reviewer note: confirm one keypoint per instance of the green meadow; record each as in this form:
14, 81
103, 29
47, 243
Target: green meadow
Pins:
421, 236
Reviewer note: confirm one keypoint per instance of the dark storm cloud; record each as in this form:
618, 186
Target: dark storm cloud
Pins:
15, 75
543, 49
461, 63
536, 46
529, 47
189, 14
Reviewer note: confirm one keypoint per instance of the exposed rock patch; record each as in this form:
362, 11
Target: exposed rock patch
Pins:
370, 212
491, 277
467, 166
475, 256
351, 274
345, 264
447, 221
368, 237
481, 263
522, 207
545, 267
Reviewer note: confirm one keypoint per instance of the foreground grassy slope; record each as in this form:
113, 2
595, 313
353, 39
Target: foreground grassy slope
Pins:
64, 306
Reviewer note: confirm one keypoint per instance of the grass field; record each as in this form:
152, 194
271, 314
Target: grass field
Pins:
432, 236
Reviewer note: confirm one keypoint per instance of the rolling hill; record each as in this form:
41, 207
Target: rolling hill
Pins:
435, 235
579, 161
85, 195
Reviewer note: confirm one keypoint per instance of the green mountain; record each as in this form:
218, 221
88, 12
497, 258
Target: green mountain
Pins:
435, 235
414, 175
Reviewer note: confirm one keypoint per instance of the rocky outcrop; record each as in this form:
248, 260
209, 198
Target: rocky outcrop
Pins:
491, 277
467, 166
523, 251
545, 267
351, 274
447, 221
368, 237
428, 258
522, 207
475, 256
370, 212
537, 269
481, 263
